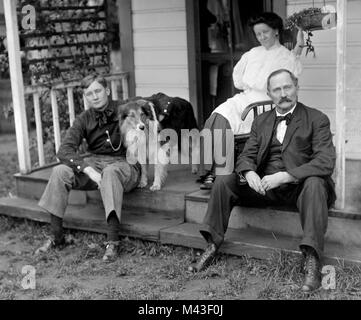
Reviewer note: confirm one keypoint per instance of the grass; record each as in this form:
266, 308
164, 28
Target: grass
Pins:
144, 270
147, 270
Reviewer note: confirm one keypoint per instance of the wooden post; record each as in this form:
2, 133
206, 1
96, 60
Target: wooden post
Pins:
341, 103
114, 88
56, 124
71, 105
17, 86
125, 87
39, 129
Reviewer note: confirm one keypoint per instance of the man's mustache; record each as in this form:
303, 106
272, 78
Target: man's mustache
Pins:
285, 100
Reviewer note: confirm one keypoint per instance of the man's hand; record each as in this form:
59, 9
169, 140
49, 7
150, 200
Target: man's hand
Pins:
275, 180
254, 181
93, 175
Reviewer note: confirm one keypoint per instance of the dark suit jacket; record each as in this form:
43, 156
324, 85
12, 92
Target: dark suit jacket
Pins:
307, 150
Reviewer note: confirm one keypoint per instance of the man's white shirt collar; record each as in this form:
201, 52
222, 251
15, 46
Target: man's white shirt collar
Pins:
282, 115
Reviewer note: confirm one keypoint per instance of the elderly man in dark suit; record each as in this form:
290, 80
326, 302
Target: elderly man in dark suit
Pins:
288, 159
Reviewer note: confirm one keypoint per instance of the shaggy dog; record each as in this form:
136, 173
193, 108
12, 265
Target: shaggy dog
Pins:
176, 113
139, 130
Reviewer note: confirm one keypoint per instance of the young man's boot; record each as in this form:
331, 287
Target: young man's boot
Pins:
57, 239
113, 243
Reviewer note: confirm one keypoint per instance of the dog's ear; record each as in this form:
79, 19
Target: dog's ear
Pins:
149, 110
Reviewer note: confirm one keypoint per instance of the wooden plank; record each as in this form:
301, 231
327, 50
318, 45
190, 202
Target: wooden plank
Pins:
144, 225
256, 243
39, 129
126, 40
70, 94
56, 124
17, 86
341, 103
114, 89
125, 87
194, 65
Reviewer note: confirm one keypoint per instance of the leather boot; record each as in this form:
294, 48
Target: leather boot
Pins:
206, 258
312, 272
111, 251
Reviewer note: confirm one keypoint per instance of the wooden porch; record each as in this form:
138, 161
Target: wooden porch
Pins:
174, 214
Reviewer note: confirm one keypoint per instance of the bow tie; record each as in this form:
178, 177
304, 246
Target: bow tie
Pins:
103, 116
287, 118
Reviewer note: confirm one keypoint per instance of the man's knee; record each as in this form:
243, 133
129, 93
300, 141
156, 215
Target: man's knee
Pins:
120, 170
223, 181
63, 173
314, 183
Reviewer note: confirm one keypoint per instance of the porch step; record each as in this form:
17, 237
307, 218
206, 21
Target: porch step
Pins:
343, 227
256, 243
144, 224
180, 181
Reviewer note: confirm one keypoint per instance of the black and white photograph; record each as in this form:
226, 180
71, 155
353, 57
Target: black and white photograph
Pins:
185, 155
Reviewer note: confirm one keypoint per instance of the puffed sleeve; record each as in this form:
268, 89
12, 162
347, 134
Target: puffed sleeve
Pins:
238, 71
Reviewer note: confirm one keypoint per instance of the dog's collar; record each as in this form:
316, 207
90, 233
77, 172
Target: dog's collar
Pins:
165, 109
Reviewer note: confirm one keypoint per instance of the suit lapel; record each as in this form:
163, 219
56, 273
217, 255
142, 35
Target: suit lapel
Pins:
293, 126
267, 131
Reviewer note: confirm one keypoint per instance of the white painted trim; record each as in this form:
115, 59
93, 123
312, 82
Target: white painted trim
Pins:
17, 86
340, 170
162, 10
158, 29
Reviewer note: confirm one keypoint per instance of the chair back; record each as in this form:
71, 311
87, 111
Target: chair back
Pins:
257, 108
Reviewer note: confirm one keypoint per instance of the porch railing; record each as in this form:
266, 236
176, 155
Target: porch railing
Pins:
114, 80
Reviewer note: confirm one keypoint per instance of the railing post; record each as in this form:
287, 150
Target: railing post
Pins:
39, 129
71, 105
56, 125
17, 86
125, 87
114, 88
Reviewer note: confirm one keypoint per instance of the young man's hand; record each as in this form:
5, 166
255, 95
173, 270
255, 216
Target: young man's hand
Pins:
254, 181
275, 180
93, 175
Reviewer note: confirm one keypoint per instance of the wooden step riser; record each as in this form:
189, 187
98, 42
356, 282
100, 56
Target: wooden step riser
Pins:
340, 230
144, 199
162, 201
257, 244
145, 225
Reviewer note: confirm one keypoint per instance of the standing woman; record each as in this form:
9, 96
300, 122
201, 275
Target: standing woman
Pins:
250, 75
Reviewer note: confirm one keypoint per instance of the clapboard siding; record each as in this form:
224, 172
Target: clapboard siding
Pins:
318, 80
160, 47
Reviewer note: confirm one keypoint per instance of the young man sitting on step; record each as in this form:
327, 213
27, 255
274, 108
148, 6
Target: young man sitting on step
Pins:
105, 169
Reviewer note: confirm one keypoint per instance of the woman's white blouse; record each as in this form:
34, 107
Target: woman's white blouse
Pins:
253, 69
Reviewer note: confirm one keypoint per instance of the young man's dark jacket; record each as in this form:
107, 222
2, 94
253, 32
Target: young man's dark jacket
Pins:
307, 149
92, 125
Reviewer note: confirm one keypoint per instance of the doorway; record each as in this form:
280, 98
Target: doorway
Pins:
218, 36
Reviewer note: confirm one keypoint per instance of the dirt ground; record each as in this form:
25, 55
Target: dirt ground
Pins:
144, 270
